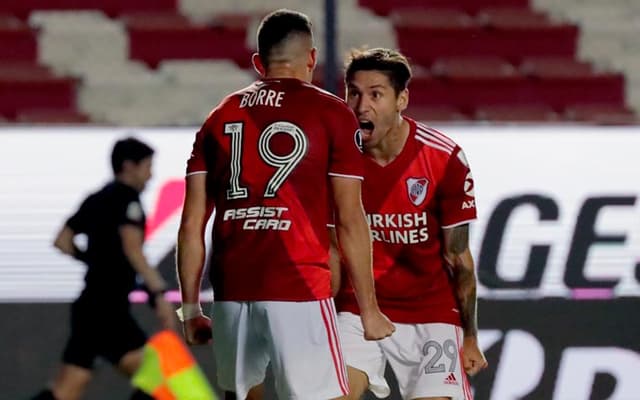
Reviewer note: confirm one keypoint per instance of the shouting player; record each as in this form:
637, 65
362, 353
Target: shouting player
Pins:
419, 200
265, 158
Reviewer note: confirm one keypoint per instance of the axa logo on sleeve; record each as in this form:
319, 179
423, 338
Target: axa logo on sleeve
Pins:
468, 185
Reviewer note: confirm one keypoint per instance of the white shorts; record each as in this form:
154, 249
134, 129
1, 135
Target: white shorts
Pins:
426, 358
298, 339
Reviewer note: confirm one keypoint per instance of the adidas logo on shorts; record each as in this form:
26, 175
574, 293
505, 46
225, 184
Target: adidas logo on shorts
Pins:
451, 379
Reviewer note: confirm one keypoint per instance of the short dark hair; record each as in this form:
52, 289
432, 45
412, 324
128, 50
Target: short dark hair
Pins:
129, 149
387, 61
277, 27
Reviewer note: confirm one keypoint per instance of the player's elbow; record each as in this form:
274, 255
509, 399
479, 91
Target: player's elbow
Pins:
64, 241
58, 244
351, 218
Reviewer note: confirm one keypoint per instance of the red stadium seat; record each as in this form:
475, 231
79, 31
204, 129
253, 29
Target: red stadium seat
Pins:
516, 113
470, 92
24, 86
564, 91
51, 116
384, 7
157, 37
522, 18
237, 20
473, 48
543, 67
22, 8
23, 70
436, 113
17, 40
437, 18
454, 67
604, 114
426, 43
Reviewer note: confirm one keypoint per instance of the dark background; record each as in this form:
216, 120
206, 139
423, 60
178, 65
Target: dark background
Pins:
33, 336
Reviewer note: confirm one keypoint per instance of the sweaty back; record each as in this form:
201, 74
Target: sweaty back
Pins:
268, 151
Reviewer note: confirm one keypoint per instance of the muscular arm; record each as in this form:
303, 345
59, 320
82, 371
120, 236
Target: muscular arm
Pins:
352, 232
458, 255
191, 247
354, 238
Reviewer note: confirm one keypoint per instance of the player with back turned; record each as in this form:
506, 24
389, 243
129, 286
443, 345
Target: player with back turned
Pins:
266, 158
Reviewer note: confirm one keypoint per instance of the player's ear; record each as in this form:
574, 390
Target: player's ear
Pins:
403, 100
313, 58
128, 165
257, 64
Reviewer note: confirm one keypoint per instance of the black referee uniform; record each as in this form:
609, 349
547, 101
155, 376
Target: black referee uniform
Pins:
101, 322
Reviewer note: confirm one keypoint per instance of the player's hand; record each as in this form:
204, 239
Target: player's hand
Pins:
197, 330
166, 313
473, 359
376, 325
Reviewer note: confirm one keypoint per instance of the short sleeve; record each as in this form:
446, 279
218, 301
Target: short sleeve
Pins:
346, 157
79, 222
456, 192
196, 163
132, 214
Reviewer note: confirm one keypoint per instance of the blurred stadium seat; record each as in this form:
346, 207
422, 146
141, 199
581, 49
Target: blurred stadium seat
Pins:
25, 86
516, 113
154, 37
474, 67
158, 62
603, 114
437, 113
48, 116
17, 40
113, 8
384, 7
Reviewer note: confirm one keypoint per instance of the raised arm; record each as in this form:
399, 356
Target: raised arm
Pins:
354, 239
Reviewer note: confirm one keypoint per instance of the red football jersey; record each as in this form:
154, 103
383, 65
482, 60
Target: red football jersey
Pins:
408, 202
269, 150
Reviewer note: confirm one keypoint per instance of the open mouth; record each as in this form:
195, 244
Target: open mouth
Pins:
366, 128
366, 125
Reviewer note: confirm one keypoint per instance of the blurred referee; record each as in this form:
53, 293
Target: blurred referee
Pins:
101, 322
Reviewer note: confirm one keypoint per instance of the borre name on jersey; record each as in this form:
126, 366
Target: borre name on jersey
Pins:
262, 97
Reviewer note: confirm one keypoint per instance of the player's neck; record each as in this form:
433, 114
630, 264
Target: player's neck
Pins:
391, 144
288, 73
128, 181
